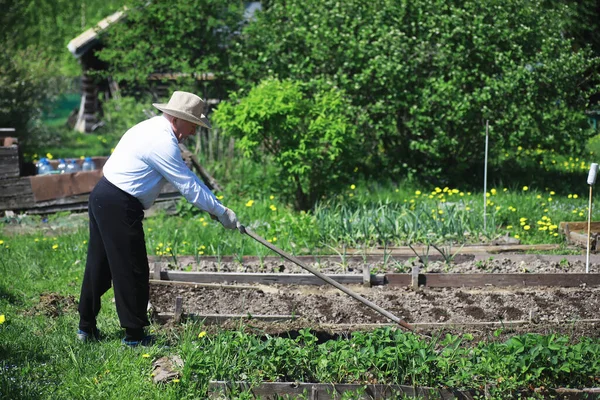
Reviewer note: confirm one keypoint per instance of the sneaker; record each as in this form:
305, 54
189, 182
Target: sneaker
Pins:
147, 340
84, 336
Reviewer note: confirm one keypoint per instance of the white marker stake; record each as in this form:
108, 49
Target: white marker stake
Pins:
590, 180
485, 176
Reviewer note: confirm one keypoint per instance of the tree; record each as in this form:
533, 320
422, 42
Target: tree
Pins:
182, 36
428, 75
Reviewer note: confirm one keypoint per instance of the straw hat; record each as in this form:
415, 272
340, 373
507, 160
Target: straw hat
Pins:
186, 106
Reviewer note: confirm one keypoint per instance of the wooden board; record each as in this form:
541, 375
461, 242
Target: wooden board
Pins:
423, 250
9, 162
499, 280
215, 319
265, 278
327, 391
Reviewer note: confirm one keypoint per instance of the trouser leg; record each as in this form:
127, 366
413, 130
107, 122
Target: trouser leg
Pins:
118, 217
96, 279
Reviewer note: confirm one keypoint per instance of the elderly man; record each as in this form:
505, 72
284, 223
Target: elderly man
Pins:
146, 158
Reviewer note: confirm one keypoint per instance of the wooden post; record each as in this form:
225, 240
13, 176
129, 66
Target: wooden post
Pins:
157, 271
415, 277
367, 276
178, 309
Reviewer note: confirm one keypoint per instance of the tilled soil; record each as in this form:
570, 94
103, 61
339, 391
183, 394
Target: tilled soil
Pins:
480, 263
540, 309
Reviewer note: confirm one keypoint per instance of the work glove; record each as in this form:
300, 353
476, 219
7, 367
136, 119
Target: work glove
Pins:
229, 220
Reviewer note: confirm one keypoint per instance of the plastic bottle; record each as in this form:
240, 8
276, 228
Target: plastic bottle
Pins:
62, 166
72, 166
88, 164
44, 167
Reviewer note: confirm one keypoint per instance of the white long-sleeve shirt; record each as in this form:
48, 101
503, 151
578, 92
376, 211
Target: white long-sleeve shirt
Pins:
146, 157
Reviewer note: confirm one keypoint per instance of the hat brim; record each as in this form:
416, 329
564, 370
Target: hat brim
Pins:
202, 121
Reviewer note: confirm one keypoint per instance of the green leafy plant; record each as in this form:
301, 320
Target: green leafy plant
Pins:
308, 131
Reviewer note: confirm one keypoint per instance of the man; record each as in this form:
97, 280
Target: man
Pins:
146, 158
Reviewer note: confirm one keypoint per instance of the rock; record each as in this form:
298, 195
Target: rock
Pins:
166, 369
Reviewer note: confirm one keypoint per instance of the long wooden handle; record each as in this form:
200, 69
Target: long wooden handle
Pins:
327, 279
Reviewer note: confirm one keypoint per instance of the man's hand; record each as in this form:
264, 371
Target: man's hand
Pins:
229, 220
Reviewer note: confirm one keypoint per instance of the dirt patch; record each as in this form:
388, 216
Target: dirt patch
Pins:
427, 305
54, 305
497, 263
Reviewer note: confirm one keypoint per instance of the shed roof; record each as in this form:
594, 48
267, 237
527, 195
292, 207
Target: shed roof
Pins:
82, 43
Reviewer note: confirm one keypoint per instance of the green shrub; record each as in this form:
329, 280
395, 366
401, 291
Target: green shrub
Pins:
310, 135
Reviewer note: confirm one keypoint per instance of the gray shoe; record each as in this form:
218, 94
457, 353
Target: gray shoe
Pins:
84, 336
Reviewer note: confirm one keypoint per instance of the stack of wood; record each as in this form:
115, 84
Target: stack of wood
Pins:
576, 233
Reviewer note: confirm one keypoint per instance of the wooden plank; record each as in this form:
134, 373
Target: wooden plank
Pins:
215, 319
265, 278
422, 250
330, 391
9, 162
203, 285
578, 226
15, 194
496, 279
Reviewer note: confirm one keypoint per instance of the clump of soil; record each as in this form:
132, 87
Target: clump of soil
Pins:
54, 305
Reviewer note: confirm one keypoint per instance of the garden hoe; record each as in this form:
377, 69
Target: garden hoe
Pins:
327, 279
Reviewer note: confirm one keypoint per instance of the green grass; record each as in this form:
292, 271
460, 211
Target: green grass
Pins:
40, 357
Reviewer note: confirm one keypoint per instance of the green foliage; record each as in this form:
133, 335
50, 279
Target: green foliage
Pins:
177, 36
428, 75
310, 135
28, 80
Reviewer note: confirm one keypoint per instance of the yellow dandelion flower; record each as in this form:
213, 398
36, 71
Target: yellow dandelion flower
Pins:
200, 252
274, 239
352, 186
2, 319
527, 227
175, 380
146, 355
509, 227
575, 196
49, 156
440, 211
552, 193
468, 208
202, 219
493, 192
525, 188
85, 242
35, 240
55, 246
204, 223
201, 334
418, 192
351, 195
271, 197
1, 241
249, 203
203, 247
539, 196
517, 236
220, 197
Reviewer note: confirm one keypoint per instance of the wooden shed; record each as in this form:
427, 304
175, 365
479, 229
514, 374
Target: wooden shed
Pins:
83, 47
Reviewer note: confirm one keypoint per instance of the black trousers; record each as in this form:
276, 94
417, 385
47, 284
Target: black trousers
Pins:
117, 252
